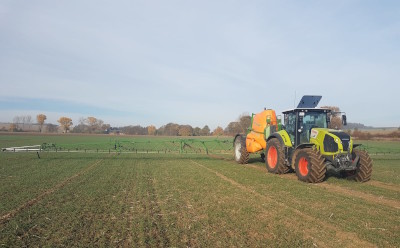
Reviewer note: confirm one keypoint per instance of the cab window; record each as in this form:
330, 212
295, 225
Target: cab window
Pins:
290, 125
311, 120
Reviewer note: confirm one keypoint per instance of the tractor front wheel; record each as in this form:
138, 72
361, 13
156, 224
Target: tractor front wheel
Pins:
364, 167
275, 157
310, 166
241, 153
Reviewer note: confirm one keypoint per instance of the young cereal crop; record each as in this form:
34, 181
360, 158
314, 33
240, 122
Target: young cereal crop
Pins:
186, 200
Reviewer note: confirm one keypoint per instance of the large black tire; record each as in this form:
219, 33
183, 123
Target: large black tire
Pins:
275, 157
364, 168
310, 165
240, 152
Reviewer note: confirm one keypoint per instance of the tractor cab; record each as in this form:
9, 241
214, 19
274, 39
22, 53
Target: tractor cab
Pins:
300, 121
305, 121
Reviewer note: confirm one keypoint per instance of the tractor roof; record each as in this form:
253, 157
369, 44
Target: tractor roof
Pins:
307, 109
309, 101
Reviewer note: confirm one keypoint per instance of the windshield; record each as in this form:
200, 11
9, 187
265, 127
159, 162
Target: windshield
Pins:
311, 120
314, 119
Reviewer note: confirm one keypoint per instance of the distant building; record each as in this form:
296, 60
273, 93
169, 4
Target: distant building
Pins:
113, 131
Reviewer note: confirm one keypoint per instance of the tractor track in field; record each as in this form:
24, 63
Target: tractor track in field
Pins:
338, 189
340, 234
154, 227
8, 216
218, 157
354, 193
384, 185
348, 192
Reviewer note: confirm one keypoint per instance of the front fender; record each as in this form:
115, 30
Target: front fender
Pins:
283, 137
305, 145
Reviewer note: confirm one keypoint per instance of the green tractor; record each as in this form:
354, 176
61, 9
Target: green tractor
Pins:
306, 145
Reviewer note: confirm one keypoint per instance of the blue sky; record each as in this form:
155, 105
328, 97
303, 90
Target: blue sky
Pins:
197, 62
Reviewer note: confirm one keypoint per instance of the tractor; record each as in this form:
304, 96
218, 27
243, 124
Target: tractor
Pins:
303, 143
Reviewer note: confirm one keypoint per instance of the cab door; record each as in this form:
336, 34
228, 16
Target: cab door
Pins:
291, 126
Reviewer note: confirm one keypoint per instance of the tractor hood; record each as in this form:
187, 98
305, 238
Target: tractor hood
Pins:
330, 141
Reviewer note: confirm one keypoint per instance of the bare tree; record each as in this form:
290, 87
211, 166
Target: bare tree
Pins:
233, 128
196, 131
16, 121
185, 130
244, 121
336, 121
105, 127
28, 121
82, 121
151, 130
40, 118
134, 130
218, 131
171, 129
92, 122
91, 125
205, 131
65, 123
13, 127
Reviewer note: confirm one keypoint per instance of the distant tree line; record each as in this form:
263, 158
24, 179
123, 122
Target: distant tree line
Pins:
365, 135
89, 125
173, 129
21, 122
94, 125
357, 126
170, 129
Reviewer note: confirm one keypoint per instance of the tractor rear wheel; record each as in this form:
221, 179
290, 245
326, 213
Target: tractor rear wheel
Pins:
364, 167
241, 153
275, 157
310, 166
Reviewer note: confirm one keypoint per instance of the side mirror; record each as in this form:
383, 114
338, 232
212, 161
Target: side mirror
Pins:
344, 120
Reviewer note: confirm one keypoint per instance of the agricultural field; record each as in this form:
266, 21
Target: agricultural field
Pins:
92, 192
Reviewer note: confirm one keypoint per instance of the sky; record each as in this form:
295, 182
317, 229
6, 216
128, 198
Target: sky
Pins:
198, 62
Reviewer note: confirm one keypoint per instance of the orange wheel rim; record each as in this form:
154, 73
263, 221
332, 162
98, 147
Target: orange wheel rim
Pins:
303, 166
272, 157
